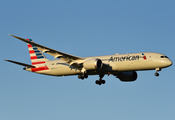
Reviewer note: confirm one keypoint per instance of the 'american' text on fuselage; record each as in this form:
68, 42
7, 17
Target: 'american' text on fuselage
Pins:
124, 58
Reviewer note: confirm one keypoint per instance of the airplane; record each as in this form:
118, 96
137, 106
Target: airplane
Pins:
122, 66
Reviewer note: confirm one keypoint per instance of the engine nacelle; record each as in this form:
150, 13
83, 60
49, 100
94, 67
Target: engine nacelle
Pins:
92, 64
128, 76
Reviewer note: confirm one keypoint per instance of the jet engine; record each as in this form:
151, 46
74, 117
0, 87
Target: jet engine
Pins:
92, 64
128, 76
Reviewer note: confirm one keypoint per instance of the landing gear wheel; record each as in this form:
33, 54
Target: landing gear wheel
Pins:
98, 82
85, 76
156, 74
82, 76
103, 81
79, 76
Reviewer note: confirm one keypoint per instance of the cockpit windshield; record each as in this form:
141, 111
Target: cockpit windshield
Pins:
163, 57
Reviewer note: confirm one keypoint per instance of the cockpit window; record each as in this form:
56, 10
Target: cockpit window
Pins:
163, 57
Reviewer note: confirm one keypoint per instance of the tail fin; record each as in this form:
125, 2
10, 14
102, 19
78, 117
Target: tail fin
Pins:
37, 57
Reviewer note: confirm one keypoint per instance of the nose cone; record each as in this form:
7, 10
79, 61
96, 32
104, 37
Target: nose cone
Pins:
166, 63
170, 63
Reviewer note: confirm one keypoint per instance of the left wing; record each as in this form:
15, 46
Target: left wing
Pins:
70, 59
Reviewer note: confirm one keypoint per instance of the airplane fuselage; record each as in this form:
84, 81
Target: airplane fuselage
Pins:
117, 63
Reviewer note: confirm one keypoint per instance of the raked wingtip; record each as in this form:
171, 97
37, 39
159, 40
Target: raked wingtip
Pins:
11, 35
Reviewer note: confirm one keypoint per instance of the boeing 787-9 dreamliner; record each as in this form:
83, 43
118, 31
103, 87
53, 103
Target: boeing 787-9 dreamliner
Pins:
123, 66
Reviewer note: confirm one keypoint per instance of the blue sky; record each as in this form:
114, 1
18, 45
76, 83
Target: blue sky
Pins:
86, 28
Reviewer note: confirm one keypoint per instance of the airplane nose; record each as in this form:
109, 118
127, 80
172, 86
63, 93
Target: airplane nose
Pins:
169, 62
166, 63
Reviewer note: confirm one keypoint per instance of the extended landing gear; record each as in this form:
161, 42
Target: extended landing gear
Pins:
157, 69
156, 74
82, 76
100, 81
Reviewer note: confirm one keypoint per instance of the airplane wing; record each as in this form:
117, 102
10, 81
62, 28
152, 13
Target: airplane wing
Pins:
22, 64
57, 54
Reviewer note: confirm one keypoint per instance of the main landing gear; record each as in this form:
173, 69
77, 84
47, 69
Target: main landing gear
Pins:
100, 81
82, 76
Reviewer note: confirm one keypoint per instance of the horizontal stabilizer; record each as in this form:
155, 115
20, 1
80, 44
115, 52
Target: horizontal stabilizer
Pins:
22, 64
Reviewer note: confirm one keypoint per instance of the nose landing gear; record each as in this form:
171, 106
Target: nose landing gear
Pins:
156, 74
157, 69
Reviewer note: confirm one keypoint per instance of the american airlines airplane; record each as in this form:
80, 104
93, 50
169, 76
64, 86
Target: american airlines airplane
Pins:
123, 66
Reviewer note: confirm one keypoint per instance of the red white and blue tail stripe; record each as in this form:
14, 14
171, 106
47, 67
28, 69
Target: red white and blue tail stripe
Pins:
37, 57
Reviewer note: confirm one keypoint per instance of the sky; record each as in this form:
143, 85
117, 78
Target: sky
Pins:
86, 28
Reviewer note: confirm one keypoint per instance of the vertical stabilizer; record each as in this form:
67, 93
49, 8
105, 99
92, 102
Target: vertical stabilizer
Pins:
37, 57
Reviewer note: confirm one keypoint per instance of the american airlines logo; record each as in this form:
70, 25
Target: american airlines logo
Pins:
126, 58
